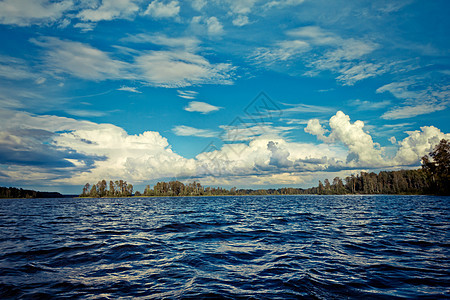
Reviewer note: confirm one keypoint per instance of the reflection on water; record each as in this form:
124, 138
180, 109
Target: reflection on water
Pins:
208, 247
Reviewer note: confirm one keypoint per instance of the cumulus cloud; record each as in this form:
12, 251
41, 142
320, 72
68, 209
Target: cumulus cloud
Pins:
30, 12
68, 151
85, 151
362, 149
417, 144
201, 107
315, 128
279, 156
159, 9
363, 152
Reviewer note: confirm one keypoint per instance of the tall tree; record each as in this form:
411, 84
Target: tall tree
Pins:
437, 167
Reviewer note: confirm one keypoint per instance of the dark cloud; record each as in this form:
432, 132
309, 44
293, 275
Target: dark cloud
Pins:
34, 148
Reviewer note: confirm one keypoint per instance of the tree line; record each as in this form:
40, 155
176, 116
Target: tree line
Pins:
12, 192
118, 188
432, 178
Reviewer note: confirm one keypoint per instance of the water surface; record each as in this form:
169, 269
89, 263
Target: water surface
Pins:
268, 247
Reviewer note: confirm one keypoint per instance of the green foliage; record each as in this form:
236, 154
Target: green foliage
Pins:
436, 166
11, 192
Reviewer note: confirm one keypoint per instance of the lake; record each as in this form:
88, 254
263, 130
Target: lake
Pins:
258, 247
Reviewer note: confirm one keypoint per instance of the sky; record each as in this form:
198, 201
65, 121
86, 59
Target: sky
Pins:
252, 94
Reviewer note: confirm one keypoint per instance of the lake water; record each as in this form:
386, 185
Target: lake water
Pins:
268, 247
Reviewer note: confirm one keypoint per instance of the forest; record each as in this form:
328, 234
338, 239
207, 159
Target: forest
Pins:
11, 192
432, 178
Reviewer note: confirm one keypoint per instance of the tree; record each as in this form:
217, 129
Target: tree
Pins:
86, 188
93, 193
437, 167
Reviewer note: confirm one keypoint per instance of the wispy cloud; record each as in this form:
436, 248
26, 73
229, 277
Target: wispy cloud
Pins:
369, 105
80, 60
183, 130
186, 94
166, 68
85, 113
30, 12
15, 68
129, 89
420, 95
305, 108
321, 50
201, 107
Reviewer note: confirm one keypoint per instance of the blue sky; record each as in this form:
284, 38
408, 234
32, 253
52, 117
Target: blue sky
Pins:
231, 93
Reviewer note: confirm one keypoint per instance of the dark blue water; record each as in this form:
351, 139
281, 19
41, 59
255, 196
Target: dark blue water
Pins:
318, 247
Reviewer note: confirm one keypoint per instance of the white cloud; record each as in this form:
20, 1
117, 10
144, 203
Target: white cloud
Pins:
179, 68
333, 53
240, 21
183, 130
85, 27
313, 127
417, 144
202, 107
410, 111
68, 151
15, 68
368, 105
241, 7
198, 4
103, 151
159, 9
214, 26
362, 150
167, 68
186, 94
305, 108
243, 132
85, 113
283, 3
29, 12
80, 60
420, 95
107, 10
207, 26
282, 51
129, 89
40, 80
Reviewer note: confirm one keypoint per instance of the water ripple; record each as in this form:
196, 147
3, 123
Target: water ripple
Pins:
312, 247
